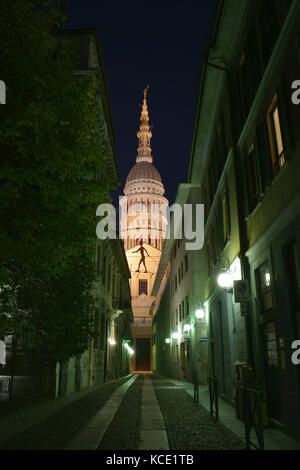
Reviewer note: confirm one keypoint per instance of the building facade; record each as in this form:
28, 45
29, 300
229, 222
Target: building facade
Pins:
245, 159
143, 228
106, 357
179, 331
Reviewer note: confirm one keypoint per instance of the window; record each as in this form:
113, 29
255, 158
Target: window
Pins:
187, 306
252, 178
182, 308
176, 316
176, 283
211, 249
179, 275
226, 216
143, 286
275, 136
181, 270
179, 312
293, 273
220, 229
265, 287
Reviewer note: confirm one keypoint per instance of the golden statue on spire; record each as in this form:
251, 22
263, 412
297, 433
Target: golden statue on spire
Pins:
145, 91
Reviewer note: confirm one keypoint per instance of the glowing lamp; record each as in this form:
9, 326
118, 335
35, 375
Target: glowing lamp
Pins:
200, 313
225, 280
186, 328
167, 340
129, 349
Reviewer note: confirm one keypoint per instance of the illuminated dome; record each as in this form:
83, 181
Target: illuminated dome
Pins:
143, 171
144, 186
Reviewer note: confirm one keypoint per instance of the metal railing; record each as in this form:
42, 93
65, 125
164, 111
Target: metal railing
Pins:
213, 396
253, 417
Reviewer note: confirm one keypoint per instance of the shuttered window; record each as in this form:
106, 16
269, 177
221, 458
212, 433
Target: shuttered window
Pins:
143, 286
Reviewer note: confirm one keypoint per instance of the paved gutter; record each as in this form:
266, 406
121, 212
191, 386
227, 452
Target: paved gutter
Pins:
153, 430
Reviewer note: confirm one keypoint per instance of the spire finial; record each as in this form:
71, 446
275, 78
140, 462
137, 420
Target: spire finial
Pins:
144, 134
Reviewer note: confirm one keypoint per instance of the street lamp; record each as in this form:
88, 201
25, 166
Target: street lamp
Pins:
200, 313
129, 349
225, 279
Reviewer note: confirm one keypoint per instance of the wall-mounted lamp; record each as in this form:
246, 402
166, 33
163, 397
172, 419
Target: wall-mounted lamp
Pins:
111, 341
186, 328
200, 313
129, 349
175, 335
167, 340
225, 279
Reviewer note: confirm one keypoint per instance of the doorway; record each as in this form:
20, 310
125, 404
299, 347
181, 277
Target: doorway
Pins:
143, 355
182, 360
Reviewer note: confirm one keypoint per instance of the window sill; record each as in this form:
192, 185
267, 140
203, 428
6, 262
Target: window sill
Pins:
272, 184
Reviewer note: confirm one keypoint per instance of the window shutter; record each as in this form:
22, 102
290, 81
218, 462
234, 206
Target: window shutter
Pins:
284, 119
263, 150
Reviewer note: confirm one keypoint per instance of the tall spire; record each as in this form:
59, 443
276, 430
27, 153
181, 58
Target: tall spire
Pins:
144, 134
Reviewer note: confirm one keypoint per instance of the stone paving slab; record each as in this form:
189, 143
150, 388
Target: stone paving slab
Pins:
153, 440
153, 434
153, 423
89, 437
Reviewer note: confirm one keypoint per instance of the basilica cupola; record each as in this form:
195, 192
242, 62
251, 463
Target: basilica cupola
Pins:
144, 177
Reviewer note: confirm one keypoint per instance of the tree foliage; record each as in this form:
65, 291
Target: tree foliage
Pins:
49, 158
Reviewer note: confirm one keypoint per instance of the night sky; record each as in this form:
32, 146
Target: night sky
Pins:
155, 43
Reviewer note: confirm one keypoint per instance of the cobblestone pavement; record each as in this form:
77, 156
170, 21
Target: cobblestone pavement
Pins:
53, 432
189, 425
124, 431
